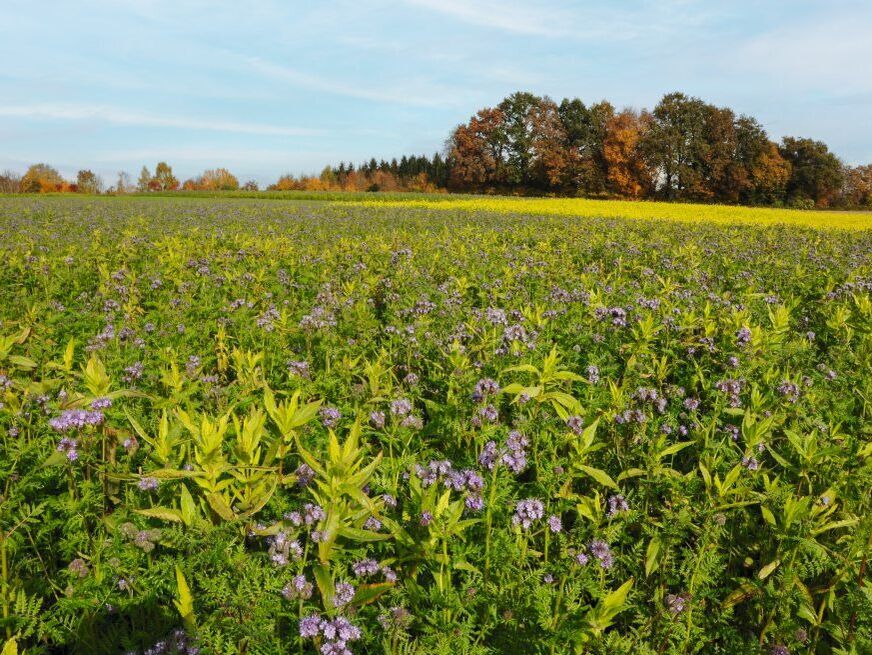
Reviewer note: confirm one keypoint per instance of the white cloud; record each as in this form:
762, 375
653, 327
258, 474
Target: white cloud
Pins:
120, 116
411, 93
831, 53
647, 20
499, 15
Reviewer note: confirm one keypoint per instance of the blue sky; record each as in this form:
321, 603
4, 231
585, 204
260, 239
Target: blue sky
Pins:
268, 86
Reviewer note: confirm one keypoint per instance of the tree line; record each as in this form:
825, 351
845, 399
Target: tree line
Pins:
685, 149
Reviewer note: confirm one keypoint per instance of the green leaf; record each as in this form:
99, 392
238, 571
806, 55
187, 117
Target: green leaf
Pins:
768, 516
356, 534
466, 566
844, 523
185, 602
743, 593
219, 505
24, 363
189, 509
674, 448
162, 513
325, 583
652, 562
10, 647
631, 473
807, 613
367, 593
599, 475
767, 570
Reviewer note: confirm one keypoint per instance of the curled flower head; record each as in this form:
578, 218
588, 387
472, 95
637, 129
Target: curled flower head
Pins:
676, 603
148, 484
527, 512
617, 503
343, 594
76, 419
330, 416
600, 549
299, 587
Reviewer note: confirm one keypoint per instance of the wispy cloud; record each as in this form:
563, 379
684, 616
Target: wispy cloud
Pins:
411, 94
120, 116
832, 53
499, 15
579, 22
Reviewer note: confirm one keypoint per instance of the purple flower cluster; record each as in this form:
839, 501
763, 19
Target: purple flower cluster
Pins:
178, 643
617, 503
76, 419
305, 474
336, 633
377, 419
299, 369
527, 512
485, 415
733, 388
366, 568
789, 390
618, 315
513, 454
466, 480
743, 336
631, 416
343, 594
298, 587
593, 374
148, 484
600, 549
101, 403
576, 424
69, 447
133, 372
484, 388
330, 416
676, 603
283, 549
401, 407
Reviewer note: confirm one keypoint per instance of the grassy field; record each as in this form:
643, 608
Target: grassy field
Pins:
433, 424
569, 207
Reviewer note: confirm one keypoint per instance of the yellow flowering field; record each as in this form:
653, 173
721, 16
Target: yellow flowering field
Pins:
723, 214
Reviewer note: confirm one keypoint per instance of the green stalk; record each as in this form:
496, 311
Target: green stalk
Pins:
492, 499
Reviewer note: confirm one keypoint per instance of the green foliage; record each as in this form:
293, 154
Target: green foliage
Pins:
459, 432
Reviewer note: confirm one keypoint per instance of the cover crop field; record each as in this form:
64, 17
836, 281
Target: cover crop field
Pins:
433, 425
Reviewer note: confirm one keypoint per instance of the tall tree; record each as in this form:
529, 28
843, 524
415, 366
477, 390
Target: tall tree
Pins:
88, 182
816, 173
518, 110
144, 182
585, 129
123, 184
476, 151
675, 145
770, 173
42, 178
858, 187
10, 182
218, 179
627, 171
553, 160
164, 178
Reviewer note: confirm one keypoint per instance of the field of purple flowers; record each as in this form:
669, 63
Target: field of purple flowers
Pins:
268, 426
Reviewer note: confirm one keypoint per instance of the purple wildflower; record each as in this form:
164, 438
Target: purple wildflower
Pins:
527, 512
